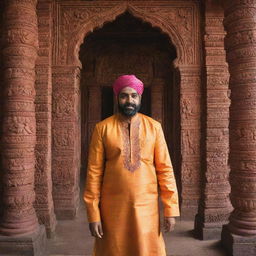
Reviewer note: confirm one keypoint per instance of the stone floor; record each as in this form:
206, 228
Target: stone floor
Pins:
73, 239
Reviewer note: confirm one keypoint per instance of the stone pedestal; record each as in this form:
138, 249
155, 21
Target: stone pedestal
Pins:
238, 245
207, 230
33, 244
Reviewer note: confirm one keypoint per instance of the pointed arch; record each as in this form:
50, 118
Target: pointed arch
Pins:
98, 21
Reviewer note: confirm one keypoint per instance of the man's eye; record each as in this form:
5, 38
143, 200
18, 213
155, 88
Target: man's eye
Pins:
135, 95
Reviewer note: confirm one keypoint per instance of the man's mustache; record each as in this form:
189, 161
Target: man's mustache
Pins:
130, 105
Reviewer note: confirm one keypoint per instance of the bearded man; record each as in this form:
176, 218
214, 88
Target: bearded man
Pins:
128, 167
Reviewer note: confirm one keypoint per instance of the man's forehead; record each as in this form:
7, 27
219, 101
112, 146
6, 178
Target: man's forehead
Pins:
128, 90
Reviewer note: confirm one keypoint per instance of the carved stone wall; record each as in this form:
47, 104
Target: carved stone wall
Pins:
66, 140
180, 21
43, 103
215, 205
190, 109
239, 236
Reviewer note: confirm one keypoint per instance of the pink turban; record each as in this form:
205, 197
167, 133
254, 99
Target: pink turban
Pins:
128, 81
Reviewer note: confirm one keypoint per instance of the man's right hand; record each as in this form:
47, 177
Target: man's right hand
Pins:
96, 229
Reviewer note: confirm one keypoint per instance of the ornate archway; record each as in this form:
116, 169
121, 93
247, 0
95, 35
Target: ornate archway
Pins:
74, 21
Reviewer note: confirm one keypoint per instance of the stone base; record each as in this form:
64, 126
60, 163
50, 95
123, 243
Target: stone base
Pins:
28, 245
188, 212
207, 231
238, 245
66, 213
50, 231
67, 209
48, 219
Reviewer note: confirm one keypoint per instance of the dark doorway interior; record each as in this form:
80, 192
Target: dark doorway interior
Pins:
130, 46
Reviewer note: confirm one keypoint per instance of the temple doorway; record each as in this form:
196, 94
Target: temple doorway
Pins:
130, 46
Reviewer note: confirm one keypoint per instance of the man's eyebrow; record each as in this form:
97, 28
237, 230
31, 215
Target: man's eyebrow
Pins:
125, 93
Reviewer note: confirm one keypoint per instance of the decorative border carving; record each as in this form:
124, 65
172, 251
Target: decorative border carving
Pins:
178, 19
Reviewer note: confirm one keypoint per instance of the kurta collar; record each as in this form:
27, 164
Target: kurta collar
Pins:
124, 119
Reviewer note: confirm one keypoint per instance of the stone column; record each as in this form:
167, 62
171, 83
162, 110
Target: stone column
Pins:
19, 228
190, 111
215, 206
43, 105
66, 140
239, 236
1, 96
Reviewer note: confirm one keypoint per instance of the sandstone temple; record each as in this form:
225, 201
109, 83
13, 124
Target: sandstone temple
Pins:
59, 58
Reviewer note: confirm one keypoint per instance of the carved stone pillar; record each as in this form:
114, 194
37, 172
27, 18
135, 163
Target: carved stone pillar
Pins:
43, 102
66, 148
215, 206
19, 228
1, 99
239, 236
190, 98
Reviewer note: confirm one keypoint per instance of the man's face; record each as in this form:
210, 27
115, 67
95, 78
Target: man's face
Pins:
129, 102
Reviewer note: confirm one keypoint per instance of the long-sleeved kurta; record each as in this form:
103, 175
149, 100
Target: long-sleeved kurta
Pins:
128, 167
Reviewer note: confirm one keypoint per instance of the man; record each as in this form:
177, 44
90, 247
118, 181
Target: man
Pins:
128, 163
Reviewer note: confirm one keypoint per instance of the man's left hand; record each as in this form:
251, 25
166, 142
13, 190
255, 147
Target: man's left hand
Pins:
169, 223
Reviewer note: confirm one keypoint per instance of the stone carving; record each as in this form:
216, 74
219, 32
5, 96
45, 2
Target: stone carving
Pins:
215, 206
190, 142
19, 124
240, 46
21, 36
75, 19
63, 138
43, 180
190, 138
189, 108
66, 144
190, 175
63, 104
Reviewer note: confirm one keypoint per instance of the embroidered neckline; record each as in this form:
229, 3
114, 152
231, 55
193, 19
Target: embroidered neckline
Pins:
131, 142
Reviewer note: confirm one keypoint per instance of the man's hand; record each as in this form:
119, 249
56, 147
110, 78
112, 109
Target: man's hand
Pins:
96, 229
169, 223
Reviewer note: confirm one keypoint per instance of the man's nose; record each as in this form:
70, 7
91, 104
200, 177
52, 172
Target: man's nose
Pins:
129, 98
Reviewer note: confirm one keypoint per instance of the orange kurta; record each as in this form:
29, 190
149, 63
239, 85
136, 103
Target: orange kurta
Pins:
128, 166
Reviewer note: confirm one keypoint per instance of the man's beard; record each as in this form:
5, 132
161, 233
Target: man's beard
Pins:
126, 111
